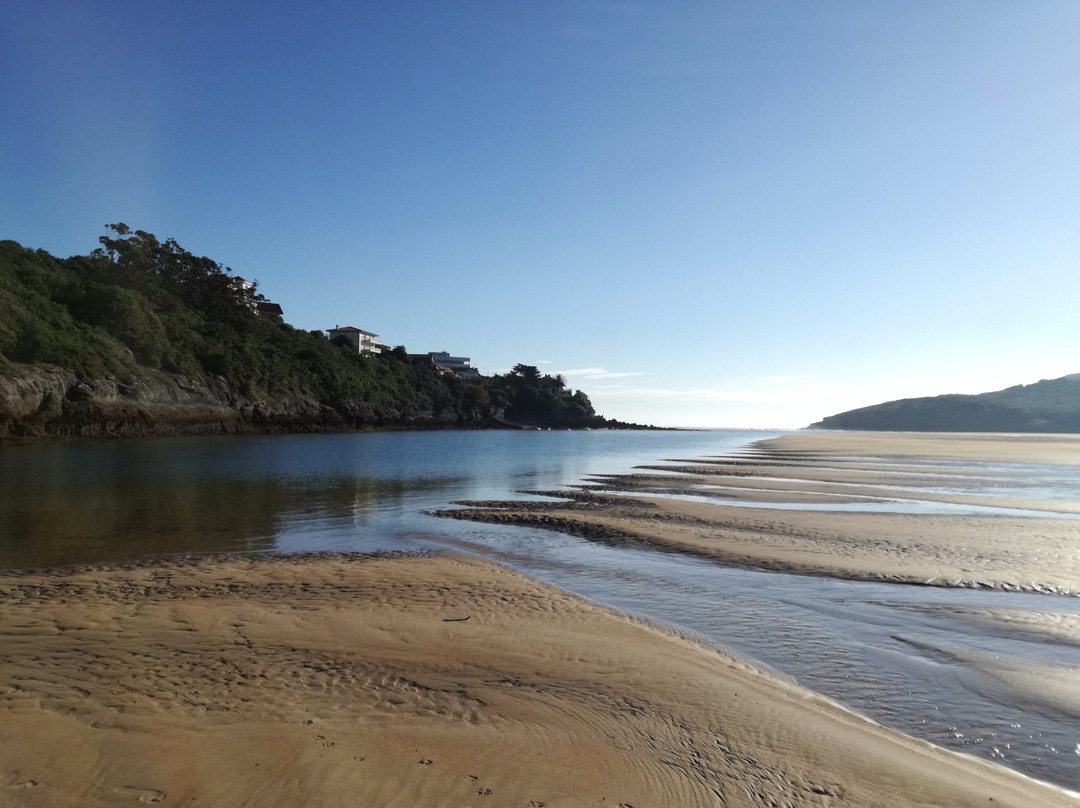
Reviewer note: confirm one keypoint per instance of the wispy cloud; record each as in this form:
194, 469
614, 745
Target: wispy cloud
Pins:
786, 378
600, 373
774, 380
783, 378
714, 395
758, 390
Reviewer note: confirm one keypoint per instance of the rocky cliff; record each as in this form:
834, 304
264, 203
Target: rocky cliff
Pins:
45, 402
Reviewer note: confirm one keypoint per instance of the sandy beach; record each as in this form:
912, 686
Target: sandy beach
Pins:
351, 680
974, 446
264, 680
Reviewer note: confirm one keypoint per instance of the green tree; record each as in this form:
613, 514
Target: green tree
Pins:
137, 302
526, 372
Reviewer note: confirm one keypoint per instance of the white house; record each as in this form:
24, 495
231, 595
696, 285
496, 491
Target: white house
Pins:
364, 342
458, 365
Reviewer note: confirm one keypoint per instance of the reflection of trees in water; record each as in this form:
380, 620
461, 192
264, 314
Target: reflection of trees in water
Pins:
355, 499
49, 520
366, 493
111, 519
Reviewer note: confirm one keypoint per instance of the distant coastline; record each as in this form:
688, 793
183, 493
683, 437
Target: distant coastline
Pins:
1048, 406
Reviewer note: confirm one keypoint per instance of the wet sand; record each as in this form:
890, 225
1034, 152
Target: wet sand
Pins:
975, 446
330, 680
694, 507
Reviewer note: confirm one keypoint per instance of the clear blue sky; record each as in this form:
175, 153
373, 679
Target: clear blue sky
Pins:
726, 213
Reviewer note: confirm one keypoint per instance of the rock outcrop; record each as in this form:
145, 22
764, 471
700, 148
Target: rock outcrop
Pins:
52, 402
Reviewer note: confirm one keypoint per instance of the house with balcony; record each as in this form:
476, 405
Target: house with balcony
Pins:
460, 366
363, 342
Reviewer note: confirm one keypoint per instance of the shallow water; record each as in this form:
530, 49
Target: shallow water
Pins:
898, 654
945, 665
1020, 480
857, 504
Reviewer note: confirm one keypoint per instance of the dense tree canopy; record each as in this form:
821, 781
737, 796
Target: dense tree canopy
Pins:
137, 303
529, 397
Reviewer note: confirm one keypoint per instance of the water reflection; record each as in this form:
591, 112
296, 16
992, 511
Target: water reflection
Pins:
55, 522
80, 503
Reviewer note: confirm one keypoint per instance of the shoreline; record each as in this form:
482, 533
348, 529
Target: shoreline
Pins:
694, 507
46, 404
309, 680
749, 539
8, 439
1030, 447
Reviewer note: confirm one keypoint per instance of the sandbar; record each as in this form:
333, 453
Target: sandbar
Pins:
833, 504
978, 446
400, 681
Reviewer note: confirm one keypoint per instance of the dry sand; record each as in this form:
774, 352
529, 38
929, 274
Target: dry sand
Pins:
693, 507
324, 681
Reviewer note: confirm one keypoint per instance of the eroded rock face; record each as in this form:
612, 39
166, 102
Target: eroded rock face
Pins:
43, 402
40, 402
32, 398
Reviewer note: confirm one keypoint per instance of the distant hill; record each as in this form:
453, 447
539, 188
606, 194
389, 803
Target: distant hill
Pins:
1051, 405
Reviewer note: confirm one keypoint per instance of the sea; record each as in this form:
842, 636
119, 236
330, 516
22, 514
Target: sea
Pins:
914, 658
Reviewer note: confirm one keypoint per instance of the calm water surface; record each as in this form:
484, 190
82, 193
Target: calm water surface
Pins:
915, 658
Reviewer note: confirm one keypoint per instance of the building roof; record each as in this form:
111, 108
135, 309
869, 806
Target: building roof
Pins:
349, 330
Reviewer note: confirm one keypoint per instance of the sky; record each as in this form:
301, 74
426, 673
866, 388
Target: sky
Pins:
735, 213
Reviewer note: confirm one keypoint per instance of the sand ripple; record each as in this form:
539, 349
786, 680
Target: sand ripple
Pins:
325, 680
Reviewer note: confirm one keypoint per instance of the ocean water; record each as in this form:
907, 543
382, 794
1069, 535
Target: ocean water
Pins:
992, 674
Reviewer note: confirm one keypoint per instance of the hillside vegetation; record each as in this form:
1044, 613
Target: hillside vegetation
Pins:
1047, 406
138, 316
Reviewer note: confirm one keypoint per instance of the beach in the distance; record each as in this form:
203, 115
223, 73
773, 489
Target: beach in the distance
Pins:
817, 508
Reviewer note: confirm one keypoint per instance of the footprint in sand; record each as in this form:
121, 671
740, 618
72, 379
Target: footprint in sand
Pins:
147, 796
16, 782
